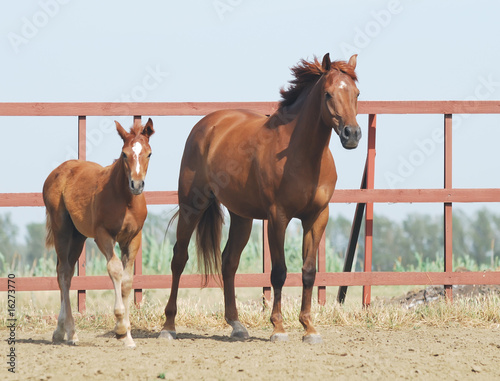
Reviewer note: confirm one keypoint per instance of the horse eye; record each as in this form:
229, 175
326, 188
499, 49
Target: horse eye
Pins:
124, 155
328, 95
149, 155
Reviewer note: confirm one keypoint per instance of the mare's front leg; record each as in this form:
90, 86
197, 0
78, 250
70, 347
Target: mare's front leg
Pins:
314, 228
106, 244
128, 257
276, 232
239, 233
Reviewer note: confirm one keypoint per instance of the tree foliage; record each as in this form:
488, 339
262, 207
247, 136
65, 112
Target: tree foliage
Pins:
416, 242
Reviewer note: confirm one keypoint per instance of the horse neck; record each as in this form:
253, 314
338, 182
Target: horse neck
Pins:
119, 181
309, 134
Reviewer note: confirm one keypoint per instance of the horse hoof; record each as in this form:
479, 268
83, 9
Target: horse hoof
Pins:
239, 331
73, 342
279, 337
57, 337
128, 343
167, 335
240, 335
312, 339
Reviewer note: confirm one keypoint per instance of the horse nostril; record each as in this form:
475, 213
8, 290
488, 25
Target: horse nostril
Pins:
347, 132
358, 134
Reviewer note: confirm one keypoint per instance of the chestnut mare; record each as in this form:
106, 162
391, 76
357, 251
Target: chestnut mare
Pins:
84, 200
260, 167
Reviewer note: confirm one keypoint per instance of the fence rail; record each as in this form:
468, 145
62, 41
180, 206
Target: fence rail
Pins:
364, 197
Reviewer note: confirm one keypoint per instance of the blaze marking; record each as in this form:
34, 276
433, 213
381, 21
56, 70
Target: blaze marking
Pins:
137, 148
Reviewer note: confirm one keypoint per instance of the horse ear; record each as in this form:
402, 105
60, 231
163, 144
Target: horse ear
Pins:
327, 64
353, 60
121, 131
148, 129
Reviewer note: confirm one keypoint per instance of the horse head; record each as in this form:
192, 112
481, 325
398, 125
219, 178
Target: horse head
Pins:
136, 153
340, 100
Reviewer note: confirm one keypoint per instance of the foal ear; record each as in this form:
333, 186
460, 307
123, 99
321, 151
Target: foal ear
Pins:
353, 60
121, 131
327, 64
148, 129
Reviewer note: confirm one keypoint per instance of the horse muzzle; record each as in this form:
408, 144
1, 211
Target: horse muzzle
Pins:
136, 186
350, 136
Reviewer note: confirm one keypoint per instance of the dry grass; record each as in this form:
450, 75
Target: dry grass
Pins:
196, 312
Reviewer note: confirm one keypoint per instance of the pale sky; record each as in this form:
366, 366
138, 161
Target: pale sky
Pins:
241, 50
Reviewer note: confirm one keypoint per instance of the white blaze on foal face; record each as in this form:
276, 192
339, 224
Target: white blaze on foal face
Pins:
137, 148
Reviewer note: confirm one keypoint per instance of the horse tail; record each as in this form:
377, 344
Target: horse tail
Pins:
49, 238
208, 238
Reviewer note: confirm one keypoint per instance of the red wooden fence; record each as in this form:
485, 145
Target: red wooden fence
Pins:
365, 197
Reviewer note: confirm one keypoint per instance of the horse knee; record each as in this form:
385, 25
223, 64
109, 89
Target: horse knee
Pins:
278, 276
115, 269
308, 276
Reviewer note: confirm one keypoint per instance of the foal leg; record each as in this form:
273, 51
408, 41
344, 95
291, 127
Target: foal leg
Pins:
115, 270
313, 231
128, 257
69, 244
185, 226
276, 232
239, 233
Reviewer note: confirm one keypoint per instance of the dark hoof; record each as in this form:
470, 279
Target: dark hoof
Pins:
239, 331
240, 335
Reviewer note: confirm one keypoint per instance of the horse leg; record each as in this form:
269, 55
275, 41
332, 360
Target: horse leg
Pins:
106, 244
68, 244
128, 257
239, 233
313, 231
276, 232
185, 226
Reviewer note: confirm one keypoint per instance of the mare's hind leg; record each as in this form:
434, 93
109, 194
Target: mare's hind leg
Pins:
128, 257
239, 233
186, 224
68, 244
313, 231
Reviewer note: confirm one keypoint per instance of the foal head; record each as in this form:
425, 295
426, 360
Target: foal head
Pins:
339, 104
136, 153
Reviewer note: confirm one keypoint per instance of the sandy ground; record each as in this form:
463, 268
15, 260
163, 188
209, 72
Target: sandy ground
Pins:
346, 354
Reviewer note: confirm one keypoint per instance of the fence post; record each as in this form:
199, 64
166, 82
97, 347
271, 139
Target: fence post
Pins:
82, 155
370, 184
448, 216
138, 258
353, 239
